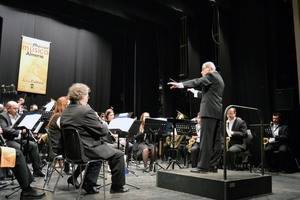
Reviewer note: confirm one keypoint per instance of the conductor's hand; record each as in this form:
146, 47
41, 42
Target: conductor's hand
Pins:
192, 90
174, 85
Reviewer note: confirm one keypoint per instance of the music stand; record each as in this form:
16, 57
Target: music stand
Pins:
185, 128
27, 121
133, 131
156, 127
122, 126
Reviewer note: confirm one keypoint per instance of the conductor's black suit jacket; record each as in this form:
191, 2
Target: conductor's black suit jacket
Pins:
212, 87
90, 128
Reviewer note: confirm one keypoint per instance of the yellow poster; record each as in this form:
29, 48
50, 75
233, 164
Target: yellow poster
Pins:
33, 70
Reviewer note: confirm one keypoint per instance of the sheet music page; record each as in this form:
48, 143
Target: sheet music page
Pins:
38, 127
123, 124
121, 115
29, 121
49, 105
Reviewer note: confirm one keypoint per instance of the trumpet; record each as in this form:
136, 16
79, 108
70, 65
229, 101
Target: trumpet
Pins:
265, 141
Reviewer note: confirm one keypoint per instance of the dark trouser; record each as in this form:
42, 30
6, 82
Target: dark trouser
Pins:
195, 154
232, 155
31, 149
210, 143
21, 170
117, 167
277, 156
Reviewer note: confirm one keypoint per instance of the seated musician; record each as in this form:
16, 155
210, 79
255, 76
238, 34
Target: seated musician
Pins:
81, 116
14, 137
143, 148
194, 143
23, 175
236, 129
54, 136
278, 143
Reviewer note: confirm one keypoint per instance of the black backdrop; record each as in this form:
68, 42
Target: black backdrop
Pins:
127, 62
76, 55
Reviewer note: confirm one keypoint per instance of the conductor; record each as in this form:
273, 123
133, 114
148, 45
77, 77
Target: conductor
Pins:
212, 86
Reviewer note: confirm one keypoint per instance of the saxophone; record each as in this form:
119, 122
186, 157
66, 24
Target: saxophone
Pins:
193, 139
190, 144
174, 143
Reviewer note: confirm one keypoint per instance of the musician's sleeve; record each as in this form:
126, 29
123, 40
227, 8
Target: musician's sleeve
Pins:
8, 132
93, 125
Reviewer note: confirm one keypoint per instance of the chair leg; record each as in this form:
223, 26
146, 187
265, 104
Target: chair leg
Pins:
104, 177
82, 179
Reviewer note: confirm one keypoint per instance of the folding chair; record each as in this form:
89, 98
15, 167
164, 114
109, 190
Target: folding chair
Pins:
74, 154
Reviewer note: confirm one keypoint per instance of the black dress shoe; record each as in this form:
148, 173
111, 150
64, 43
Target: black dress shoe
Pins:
199, 170
97, 186
90, 189
213, 169
38, 173
118, 190
31, 193
70, 181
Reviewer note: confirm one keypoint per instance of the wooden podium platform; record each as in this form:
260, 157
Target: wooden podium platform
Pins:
239, 184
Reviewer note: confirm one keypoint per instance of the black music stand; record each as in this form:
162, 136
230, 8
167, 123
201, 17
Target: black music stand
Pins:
156, 127
27, 121
122, 126
133, 131
185, 128
173, 161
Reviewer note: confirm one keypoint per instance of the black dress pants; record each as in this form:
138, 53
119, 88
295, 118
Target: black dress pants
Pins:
21, 170
210, 143
117, 167
31, 149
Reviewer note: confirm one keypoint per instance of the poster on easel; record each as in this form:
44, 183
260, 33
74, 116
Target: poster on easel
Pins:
33, 70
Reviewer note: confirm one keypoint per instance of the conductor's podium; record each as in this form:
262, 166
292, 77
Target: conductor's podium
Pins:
239, 184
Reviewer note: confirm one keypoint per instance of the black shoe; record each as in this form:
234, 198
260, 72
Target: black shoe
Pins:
31, 193
97, 186
90, 189
38, 173
213, 169
118, 190
199, 170
70, 181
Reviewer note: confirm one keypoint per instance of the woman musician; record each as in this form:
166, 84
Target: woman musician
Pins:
142, 148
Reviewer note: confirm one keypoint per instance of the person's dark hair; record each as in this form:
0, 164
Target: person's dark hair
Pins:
277, 114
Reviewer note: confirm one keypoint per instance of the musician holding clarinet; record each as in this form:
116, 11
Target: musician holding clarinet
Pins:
91, 130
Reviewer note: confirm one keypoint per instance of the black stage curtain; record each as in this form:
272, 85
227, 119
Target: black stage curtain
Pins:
76, 55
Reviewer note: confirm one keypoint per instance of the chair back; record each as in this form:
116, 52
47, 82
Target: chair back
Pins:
73, 147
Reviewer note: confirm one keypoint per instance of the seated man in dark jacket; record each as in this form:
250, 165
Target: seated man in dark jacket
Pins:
236, 129
13, 136
82, 117
277, 144
23, 175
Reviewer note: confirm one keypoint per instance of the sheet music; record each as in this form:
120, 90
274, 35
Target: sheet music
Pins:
29, 121
122, 124
38, 127
49, 105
